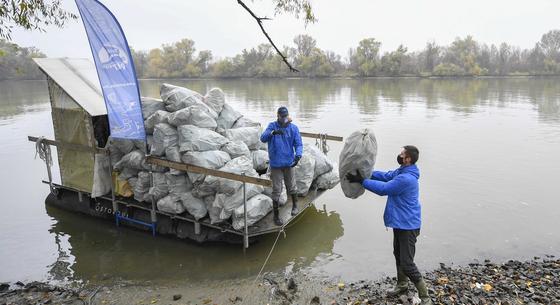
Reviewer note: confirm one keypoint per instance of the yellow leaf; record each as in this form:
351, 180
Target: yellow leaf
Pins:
340, 286
487, 287
443, 280
529, 283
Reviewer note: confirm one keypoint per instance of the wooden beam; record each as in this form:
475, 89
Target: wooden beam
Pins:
71, 146
207, 171
319, 135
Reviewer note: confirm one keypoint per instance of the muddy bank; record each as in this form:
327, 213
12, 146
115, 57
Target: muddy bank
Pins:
513, 282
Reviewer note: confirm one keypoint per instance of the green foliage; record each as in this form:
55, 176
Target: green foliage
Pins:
31, 15
16, 63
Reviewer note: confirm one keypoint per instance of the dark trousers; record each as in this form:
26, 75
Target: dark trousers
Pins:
404, 248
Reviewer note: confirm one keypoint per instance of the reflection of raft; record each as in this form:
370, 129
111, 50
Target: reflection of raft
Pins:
80, 123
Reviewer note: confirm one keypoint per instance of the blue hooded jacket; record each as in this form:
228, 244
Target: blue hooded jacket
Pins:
403, 210
281, 147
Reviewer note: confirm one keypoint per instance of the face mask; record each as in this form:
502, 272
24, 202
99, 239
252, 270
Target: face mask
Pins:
283, 120
400, 159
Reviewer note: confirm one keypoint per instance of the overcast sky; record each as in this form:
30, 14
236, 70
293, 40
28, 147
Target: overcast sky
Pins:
223, 27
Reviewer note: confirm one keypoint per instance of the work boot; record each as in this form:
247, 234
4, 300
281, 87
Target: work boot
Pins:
277, 220
402, 285
423, 293
295, 210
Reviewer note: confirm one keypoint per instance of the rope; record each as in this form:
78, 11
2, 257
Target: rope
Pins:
321, 143
269, 254
44, 151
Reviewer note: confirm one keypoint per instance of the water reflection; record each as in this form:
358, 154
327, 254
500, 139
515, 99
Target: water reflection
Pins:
91, 249
17, 97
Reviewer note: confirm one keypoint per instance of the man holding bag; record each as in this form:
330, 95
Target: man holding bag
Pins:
285, 149
403, 214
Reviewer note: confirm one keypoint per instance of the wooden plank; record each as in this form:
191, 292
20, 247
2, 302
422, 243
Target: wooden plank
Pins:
318, 136
207, 171
70, 145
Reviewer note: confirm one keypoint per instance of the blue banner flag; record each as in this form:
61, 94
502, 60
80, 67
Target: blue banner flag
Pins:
115, 70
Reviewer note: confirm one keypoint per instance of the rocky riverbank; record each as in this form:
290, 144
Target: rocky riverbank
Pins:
530, 282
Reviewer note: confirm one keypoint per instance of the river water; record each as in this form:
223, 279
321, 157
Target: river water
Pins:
489, 183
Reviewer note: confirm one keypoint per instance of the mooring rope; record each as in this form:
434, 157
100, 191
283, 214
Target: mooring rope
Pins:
44, 151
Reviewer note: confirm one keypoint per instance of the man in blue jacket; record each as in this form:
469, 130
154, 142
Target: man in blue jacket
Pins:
284, 151
403, 214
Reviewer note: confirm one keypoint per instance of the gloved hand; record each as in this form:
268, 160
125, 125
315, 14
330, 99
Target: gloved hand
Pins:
357, 178
277, 132
296, 161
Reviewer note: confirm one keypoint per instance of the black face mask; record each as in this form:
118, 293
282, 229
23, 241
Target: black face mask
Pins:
400, 159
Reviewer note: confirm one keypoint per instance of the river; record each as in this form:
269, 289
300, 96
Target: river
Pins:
489, 176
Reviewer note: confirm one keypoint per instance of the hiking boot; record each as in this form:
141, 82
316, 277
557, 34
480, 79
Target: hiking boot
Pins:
295, 209
277, 220
402, 285
423, 293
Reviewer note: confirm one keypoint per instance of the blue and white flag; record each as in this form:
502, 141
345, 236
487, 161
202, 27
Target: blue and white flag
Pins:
115, 70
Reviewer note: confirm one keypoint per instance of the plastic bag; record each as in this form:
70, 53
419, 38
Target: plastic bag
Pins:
192, 138
215, 99
165, 136
237, 166
213, 212
257, 208
213, 159
101, 176
248, 135
157, 117
260, 160
141, 186
178, 184
236, 149
195, 206
304, 173
127, 172
227, 117
134, 159
176, 97
322, 163
170, 204
228, 203
328, 180
150, 106
245, 122
358, 153
159, 189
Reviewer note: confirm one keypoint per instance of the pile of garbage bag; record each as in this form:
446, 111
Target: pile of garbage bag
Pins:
185, 126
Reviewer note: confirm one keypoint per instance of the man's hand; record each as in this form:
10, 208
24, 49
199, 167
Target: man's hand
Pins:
357, 178
277, 132
296, 161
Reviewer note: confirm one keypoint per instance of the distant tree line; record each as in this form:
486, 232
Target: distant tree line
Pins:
16, 63
463, 57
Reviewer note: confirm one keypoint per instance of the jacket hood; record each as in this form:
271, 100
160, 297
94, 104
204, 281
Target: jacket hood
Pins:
411, 169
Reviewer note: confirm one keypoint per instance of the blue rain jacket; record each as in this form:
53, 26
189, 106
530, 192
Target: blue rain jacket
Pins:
403, 210
281, 147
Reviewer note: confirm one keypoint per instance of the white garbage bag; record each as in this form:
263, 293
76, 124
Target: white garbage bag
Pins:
199, 115
123, 145
215, 99
176, 97
159, 189
245, 122
178, 184
260, 160
150, 106
322, 163
257, 208
213, 159
304, 173
172, 154
170, 204
227, 117
192, 138
239, 166
248, 135
157, 117
165, 135
134, 159
228, 203
126, 173
213, 212
141, 186
358, 153
236, 149
328, 180
195, 206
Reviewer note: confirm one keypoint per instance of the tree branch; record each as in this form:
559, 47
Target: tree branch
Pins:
259, 22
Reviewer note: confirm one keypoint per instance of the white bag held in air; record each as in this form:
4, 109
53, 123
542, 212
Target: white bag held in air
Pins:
192, 138
358, 153
257, 208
